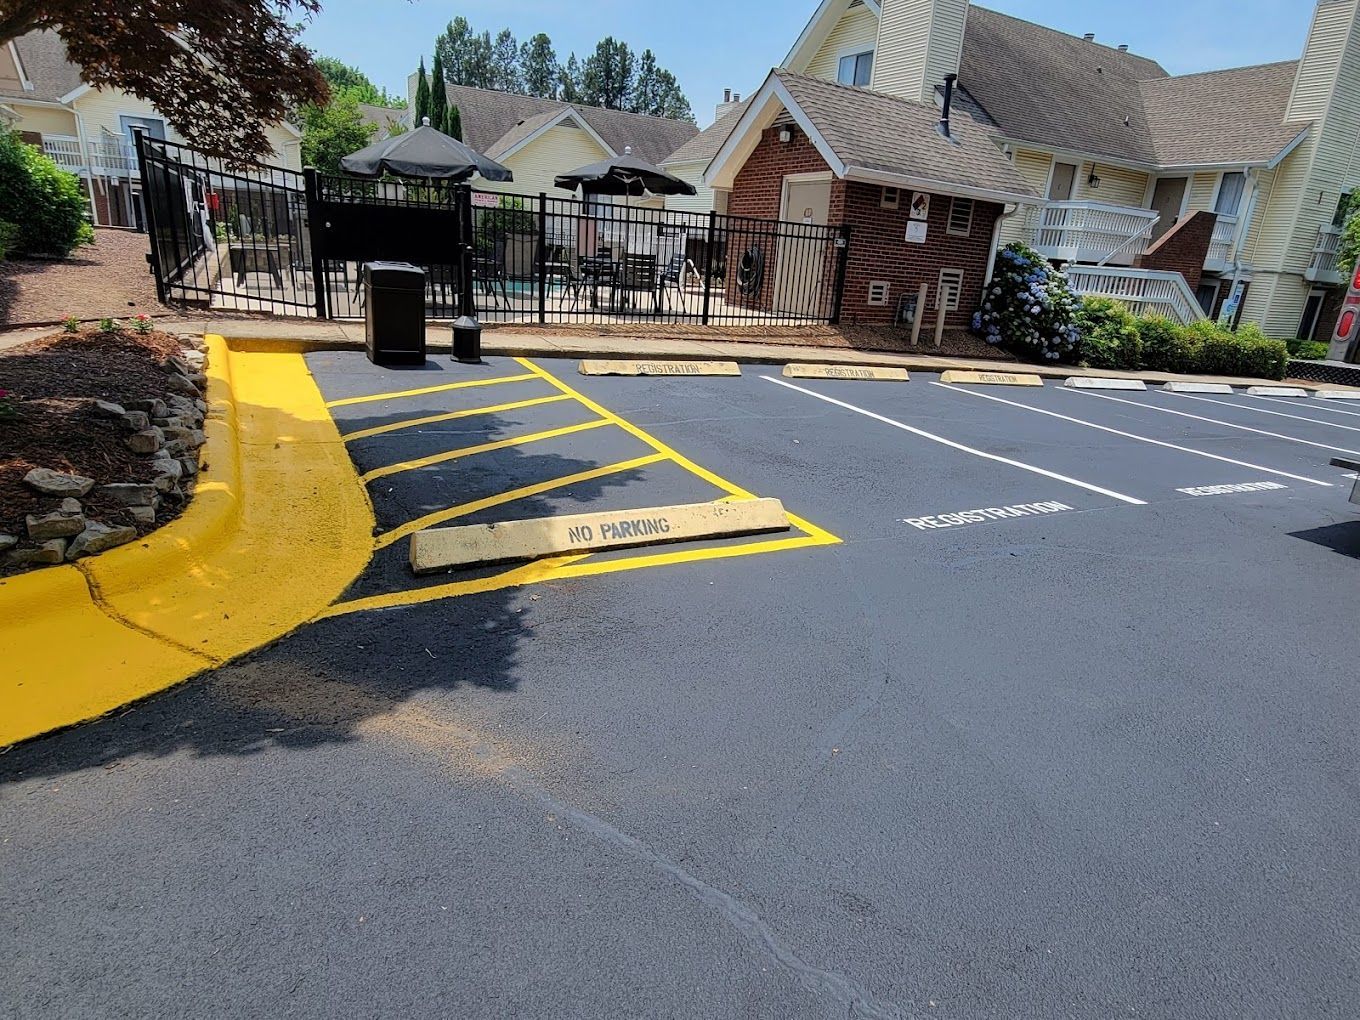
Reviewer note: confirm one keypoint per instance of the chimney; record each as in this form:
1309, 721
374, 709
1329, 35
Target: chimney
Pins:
1123, 47
1090, 37
949, 80
730, 101
918, 43
727, 95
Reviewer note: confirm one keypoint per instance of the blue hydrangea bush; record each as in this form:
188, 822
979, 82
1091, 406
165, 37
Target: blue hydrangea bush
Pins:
1028, 308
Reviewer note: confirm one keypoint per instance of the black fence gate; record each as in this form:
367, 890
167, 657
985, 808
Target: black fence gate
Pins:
260, 238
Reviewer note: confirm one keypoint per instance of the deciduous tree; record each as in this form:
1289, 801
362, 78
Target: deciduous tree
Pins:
334, 130
220, 71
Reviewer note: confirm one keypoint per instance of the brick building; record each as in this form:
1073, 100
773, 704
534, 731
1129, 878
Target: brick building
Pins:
921, 190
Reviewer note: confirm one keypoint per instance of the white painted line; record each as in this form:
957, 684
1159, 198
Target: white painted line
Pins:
1141, 439
1292, 392
1316, 407
1227, 490
983, 515
959, 446
1218, 421
1337, 394
1088, 382
1197, 387
1266, 410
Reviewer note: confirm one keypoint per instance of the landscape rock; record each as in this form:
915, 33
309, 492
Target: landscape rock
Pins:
189, 466
153, 406
177, 383
54, 525
97, 537
177, 448
143, 514
57, 483
130, 493
108, 409
51, 551
70, 506
202, 406
192, 438
171, 422
7, 542
137, 420
146, 441
168, 473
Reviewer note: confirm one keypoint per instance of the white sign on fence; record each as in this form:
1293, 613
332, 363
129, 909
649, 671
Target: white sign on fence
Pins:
486, 199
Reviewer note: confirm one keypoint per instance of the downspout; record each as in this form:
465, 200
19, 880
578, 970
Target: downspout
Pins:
88, 163
1243, 232
1007, 213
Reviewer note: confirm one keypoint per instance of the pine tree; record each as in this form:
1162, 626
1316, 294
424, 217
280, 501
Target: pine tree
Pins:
569, 88
647, 88
452, 47
422, 95
607, 79
454, 128
439, 94
539, 68
505, 63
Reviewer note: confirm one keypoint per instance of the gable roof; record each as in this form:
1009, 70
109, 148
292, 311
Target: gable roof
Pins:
705, 145
497, 121
871, 136
44, 58
381, 117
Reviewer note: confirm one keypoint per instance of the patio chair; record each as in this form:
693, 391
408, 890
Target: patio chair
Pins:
674, 275
637, 275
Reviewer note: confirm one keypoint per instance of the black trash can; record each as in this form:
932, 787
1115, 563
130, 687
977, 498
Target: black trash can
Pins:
394, 313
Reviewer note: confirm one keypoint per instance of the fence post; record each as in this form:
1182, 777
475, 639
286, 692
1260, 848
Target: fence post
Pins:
314, 235
842, 260
467, 303
542, 257
149, 211
708, 262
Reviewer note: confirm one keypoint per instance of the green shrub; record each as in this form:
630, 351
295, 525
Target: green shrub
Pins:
1167, 346
1309, 350
46, 202
1109, 336
1028, 307
9, 233
1248, 352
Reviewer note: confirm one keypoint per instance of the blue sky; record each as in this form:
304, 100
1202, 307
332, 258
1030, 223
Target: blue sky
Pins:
714, 44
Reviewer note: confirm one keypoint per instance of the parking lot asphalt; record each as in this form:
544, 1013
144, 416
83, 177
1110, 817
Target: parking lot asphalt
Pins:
1045, 707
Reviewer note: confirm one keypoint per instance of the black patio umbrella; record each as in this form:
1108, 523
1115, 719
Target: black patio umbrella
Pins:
424, 153
623, 175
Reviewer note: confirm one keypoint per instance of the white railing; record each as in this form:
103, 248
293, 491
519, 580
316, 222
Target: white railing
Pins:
1219, 258
1091, 232
114, 156
1144, 291
1323, 266
64, 150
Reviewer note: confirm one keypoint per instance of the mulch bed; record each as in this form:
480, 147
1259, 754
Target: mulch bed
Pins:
50, 382
107, 278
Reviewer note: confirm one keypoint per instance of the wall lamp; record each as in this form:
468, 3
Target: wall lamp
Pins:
1094, 180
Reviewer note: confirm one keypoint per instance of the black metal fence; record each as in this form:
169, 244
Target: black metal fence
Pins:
262, 238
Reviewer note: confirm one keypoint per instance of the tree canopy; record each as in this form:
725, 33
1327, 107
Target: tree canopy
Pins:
343, 77
334, 130
613, 76
220, 71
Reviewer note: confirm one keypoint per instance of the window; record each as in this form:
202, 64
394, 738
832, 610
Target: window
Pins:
856, 68
892, 198
1207, 296
950, 290
1230, 194
960, 217
1312, 311
878, 292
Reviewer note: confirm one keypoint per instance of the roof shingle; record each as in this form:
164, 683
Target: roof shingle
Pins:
44, 57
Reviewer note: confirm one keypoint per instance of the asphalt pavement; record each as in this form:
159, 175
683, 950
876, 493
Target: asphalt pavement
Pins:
1045, 708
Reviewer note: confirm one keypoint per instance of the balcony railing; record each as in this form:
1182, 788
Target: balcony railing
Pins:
1323, 267
64, 150
1221, 248
1143, 291
1091, 232
113, 156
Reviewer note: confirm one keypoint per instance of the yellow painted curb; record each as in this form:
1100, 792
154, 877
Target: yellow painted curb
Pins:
991, 378
874, 373
511, 541
278, 528
591, 366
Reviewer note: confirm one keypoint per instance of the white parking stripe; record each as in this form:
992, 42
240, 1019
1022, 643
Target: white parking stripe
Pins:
1217, 421
958, 446
1321, 405
1266, 410
1130, 435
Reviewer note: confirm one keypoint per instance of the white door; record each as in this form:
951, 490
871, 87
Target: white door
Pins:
801, 256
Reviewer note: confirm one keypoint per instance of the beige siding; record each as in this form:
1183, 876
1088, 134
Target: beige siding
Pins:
1327, 42
1203, 189
1265, 182
45, 120
1118, 186
694, 174
100, 109
1034, 167
854, 33
919, 41
1275, 303
554, 152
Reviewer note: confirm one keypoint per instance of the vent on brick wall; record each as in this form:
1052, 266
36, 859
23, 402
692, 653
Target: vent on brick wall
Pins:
951, 286
878, 292
892, 198
960, 216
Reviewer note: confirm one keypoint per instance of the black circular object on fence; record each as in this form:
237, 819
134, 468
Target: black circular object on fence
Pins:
751, 271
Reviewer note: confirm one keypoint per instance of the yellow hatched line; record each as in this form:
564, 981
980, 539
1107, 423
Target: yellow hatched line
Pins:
440, 516
430, 389
469, 451
433, 419
655, 444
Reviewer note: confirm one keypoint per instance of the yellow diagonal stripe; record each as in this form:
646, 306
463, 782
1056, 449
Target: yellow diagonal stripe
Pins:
468, 451
431, 389
433, 419
440, 516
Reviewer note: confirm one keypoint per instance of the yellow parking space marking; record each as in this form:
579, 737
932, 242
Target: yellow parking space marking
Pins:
469, 451
434, 419
480, 545
463, 510
470, 384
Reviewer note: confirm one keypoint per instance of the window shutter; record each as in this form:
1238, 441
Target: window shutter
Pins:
960, 216
950, 289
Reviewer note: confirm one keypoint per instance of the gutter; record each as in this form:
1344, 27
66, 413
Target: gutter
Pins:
865, 175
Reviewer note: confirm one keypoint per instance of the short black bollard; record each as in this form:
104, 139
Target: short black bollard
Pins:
467, 340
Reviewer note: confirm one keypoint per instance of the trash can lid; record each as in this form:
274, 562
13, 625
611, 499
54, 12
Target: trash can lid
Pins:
391, 272
466, 322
